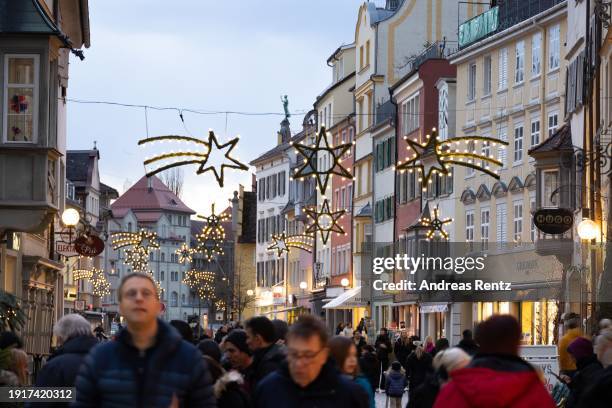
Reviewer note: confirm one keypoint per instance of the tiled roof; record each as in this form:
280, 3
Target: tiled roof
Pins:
560, 140
366, 211
108, 191
141, 198
78, 164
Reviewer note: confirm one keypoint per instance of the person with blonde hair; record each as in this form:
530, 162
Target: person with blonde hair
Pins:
429, 345
19, 365
418, 367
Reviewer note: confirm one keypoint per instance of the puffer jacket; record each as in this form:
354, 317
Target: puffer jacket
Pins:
396, 382
116, 374
229, 392
495, 381
63, 365
265, 361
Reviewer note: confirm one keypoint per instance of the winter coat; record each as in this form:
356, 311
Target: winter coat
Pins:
495, 381
365, 384
383, 352
63, 365
395, 383
229, 391
599, 394
370, 367
469, 346
362, 343
402, 351
329, 390
425, 394
588, 370
265, 361
566, 362
418, 368
117, 374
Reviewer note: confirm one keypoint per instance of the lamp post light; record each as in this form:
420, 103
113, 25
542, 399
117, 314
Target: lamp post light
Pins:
344, 282
70, 219
250, 292
587, 229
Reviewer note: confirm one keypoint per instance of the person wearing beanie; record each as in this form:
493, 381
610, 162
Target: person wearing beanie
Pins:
496, 377
237, 351
587, 370
395, 384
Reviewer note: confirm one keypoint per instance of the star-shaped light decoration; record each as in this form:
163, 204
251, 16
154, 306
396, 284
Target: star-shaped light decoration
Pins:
212, 234
283, 242
79, 274
138, 258
185, 254
435, 226
200, 153
100, 285
436, 156
202, 282
220, 304
324, 221
213, 223
312, 165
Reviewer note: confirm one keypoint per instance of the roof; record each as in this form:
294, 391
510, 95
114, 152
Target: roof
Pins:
366, 211
108, 191
560, 140
141, 198
152, 216
278, 149
25, 16
78, 164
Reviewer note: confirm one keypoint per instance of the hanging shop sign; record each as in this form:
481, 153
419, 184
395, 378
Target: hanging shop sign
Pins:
553, 220
88, 245
65, 249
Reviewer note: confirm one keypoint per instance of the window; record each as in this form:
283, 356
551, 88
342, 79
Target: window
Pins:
532, 231
502, 134
367, 52
469, 172
361, 57
174, 299
518, 221
503, 69
163, 257
553, 123
486, 89
486, 152
519, 72
550, 184
535, 132
21, 103
183, 299
536, 47
518, 144
553, 47
485, 219
471, 82
162, 276
411, 112
501, 220
469, 226
385, 154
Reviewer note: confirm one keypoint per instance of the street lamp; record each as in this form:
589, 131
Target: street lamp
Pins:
70, 217
344, 282
303, 285
587, 229
250, 292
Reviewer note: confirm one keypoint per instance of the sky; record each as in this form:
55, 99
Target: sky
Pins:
203, 55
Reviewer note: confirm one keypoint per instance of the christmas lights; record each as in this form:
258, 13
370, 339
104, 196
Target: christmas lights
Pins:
171, 159
203, 282
324, 221
79, 274
101, 286
212, 234
311, 163
282, 243
141, 242
185, 254
437, 156
435, 226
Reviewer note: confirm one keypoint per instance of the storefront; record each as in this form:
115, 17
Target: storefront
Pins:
347, 307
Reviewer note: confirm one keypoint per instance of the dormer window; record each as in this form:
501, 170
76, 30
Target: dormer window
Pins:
21, 96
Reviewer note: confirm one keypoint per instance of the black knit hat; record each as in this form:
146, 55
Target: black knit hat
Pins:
238, 338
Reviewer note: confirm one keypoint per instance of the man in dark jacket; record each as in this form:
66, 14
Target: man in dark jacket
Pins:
467, 343
383, 349
309, 378
370, 366
497, 377
148, 365
267, 355
76, 339
587, 369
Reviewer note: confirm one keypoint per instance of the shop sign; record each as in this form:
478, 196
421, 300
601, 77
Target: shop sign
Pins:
65, 249
79, 305
88, 245
553, 220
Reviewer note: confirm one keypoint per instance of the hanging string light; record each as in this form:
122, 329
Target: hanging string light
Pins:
79, 274
141, 242
282, 242
100, 285
185, 253
212, 235
202, 282
435, 226
312, 168
436, 156
184, 157
324, 221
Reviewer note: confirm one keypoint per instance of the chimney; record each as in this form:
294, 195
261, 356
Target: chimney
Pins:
392, 5
149, 184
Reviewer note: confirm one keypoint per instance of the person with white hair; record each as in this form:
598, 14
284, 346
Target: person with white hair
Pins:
74, 335
600, 393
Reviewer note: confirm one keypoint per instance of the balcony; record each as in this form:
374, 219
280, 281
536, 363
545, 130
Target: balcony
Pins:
505, 14
29, 187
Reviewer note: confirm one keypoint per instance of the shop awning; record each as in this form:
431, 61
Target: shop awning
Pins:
434, 308
347, 300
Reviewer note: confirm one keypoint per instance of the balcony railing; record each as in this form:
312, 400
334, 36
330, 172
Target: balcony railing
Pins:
505, 14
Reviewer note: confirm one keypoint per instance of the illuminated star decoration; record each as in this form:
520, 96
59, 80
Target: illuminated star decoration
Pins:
437, 156
79, 274
213, 233
324, 221
282, 243
311, 163
185, 254
220, 304
198, 153
101, 286
435, 226
141, 242
202, 282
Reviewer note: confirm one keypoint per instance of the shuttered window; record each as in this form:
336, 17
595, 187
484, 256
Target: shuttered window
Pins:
503, 69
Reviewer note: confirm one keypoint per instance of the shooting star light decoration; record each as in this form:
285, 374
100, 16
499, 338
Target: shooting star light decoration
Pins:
324, 221
311, 163
100, 285
140, 242
202, 282
282, 242
436, 156
199, 152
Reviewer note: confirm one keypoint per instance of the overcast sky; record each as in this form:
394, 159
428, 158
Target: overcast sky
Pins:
201, 54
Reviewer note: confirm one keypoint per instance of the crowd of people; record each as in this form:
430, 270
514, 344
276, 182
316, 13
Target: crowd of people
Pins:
151, 363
